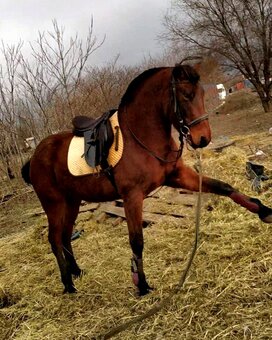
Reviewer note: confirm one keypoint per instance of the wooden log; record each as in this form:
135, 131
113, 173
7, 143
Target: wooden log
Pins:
117, 221
101, 217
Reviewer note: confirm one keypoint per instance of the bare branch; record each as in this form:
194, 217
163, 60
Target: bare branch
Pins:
239, 31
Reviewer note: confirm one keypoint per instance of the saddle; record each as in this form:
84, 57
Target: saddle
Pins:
98, 137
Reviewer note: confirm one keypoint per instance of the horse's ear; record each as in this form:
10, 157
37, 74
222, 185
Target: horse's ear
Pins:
185, 72
178, 72
197, 67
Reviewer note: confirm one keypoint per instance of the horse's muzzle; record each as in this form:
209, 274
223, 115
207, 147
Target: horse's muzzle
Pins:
204, 141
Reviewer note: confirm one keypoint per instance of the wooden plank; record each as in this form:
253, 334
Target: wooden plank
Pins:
148, 217
119, 211
83, 208
220, 146
112, 210
187, 199
88, 207
179, 199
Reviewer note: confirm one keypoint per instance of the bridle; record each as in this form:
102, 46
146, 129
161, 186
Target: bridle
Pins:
184, 128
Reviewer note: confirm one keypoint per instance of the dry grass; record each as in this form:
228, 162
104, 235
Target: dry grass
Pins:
228, 294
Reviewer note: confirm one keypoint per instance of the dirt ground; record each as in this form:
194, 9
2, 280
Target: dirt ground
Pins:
242, 114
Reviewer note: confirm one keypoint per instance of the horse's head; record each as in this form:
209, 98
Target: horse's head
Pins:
189, 116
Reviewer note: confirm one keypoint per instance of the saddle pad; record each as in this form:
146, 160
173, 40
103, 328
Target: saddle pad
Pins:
76, 160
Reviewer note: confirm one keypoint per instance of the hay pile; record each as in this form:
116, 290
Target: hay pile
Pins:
228, 294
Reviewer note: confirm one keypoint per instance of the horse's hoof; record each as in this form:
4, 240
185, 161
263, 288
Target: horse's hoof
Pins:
144, 290
82, 272
79, 273
70, 290
265, 214
267, 219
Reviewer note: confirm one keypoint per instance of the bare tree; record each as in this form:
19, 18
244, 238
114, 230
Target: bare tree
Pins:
52, 79
9, 141
239, 31
109, 84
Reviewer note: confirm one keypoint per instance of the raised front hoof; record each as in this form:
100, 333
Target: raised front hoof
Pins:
267, 219
265, 214
70, 290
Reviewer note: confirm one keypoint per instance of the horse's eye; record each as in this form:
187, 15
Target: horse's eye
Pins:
188, 96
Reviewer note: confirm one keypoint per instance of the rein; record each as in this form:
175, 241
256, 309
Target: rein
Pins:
179, 151
175, 290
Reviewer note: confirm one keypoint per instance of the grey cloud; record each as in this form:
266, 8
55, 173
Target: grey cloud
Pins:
131, 27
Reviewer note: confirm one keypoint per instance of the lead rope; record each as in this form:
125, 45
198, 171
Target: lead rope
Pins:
175, 290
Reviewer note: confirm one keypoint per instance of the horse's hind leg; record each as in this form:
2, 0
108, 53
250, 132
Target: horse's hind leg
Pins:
56, 213
70, 217
133, 204
187, 178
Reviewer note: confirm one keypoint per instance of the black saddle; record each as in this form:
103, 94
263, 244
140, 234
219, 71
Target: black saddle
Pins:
98, 137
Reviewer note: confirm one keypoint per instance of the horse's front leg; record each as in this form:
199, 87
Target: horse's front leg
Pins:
133, 204
186, 178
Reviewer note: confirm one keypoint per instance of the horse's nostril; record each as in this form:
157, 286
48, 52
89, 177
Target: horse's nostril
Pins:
203, 142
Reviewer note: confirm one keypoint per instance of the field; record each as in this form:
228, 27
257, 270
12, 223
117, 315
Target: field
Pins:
228, 292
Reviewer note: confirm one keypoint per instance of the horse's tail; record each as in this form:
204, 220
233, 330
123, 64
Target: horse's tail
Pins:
25, 171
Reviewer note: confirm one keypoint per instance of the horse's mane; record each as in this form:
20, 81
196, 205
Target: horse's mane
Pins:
129, 94
180, 72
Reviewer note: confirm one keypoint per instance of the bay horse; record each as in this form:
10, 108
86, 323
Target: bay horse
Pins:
156, 100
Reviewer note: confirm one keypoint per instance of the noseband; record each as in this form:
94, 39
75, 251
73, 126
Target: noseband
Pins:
184, 128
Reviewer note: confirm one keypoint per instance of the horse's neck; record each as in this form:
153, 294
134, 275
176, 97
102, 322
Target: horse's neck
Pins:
148, 122
147, 114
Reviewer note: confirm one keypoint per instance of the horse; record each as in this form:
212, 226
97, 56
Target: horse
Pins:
154, 101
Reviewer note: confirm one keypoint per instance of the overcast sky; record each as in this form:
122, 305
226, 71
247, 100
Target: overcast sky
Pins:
131, 26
